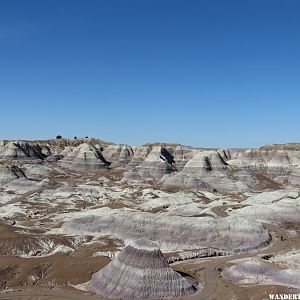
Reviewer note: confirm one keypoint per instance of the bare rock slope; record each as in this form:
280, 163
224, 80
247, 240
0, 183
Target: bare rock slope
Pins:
139, 272
231, 234
10, 173
86, 156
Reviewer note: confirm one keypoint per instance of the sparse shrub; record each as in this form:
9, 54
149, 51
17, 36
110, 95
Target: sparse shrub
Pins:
58, 137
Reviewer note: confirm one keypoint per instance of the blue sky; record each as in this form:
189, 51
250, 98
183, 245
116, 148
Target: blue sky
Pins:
202, 73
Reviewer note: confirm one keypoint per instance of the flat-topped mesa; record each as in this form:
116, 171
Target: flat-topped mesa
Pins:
279, 163
85, 157
288, 146
269, 156
139, 272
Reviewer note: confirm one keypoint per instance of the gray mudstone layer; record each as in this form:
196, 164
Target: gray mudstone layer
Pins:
230, 234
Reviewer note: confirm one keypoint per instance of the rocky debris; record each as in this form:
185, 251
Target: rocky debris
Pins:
166, 200
289, 259
231, 234
28, 246
139, 272
186, 255
109, 254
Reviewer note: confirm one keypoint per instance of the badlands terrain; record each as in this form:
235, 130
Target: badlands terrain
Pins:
88, 219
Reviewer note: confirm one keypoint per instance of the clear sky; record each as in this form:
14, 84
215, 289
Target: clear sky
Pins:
202, 73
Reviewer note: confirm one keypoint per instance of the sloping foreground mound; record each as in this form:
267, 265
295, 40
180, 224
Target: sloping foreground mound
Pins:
139, 272
230, 234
